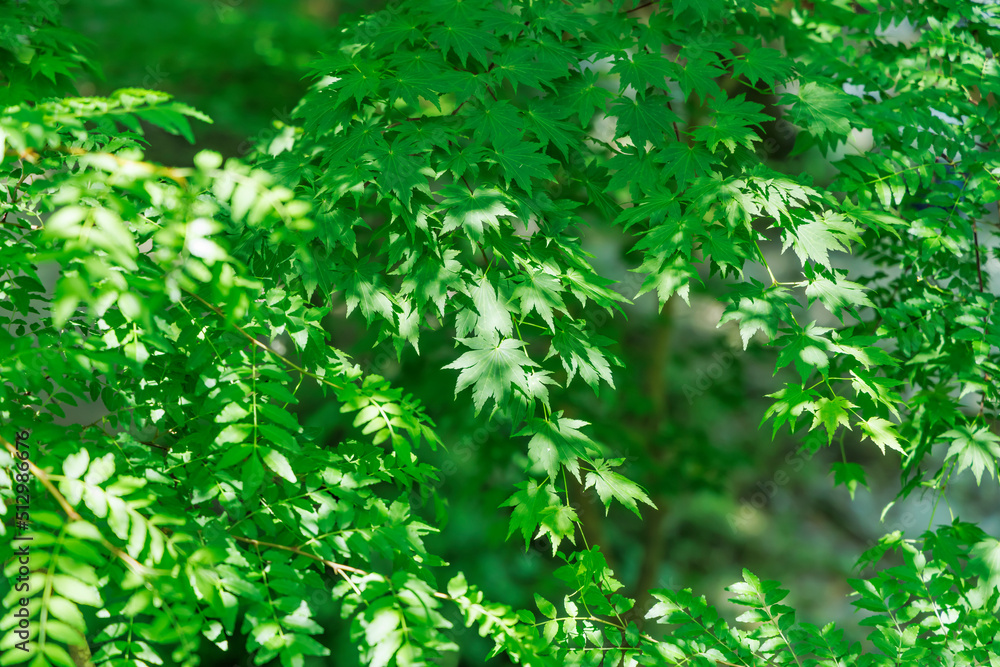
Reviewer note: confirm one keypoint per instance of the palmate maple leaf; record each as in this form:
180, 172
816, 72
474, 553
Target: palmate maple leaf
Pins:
492, 367
522, 161
473, 211
610, 484
558, 442
976, 449
538, 507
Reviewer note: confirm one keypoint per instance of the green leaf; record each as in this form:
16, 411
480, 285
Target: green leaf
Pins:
582, 354
547, 609
685, 162
822, 110
585, 95
522, 161
610, 484
833, 413
644, 120
763, 311
528, 67
882, 432
492, 315
492, 367
76, 464
850, 475
763, 64
465, 39
529, 502
975, 449
837, 296
75, 590
277, 462
498, 123
641, 70
705, 11
473, 211
545, 120
540, 292
557, 442
363, 287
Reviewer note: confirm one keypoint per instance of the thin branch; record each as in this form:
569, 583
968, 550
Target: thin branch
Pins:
642, 6
339, 568
32, 155
264, 346
43, 477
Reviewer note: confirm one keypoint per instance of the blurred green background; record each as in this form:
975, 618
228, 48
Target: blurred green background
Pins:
688, 402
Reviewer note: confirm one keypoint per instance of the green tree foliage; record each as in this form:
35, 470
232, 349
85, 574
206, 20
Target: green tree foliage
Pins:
435, 186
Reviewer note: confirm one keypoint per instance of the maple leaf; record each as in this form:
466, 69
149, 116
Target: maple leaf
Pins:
410, 87
762, 311
492, 367
401, 172
466, 38
699, 73
850, 475
432, 277
976, 449
473, 211
822, 110
358, 80
790, 402
523, 161
813, 241
491, 315
559, 523
641, 70
522, 65
706, 10
806, 348
530, 501
643, 119
545, 121
558, 442
558, 18
832, 413
763, 64
537, 388
585, 95
837, 296
540, 293
610, 484
685, 162
882, 432
731, 124
878, 389
502, 21
362, 287
634, 169
652, 208
667, 276
580, 353
498, 123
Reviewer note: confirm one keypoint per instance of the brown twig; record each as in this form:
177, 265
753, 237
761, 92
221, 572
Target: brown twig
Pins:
43, 477
263, 346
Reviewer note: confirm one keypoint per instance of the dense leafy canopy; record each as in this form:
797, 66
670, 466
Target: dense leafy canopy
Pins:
435, 182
